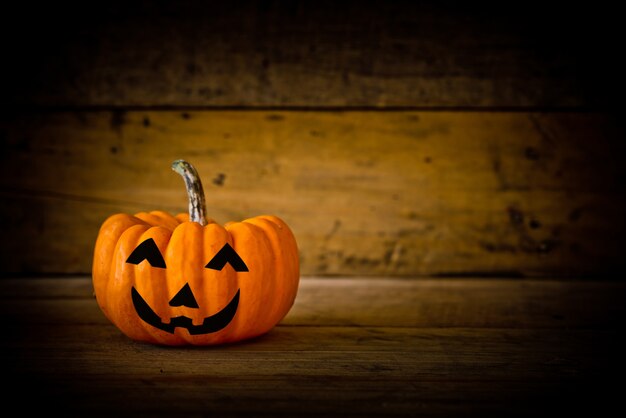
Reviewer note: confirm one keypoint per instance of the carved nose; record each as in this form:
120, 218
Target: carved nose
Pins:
184, 297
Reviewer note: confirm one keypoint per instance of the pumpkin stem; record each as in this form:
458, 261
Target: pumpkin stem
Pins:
197, 205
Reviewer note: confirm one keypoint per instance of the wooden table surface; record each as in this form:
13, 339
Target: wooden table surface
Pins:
349, 347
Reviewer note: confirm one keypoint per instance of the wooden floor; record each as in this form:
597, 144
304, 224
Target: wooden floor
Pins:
349, 347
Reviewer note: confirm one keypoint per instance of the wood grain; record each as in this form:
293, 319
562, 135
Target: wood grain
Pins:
320, 54
501, 366
366, 193
407, 303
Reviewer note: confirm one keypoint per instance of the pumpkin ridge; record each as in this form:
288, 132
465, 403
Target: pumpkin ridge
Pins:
166, 219
156, 277
215, 285
121, 313
196, 246
272, 230
261, 303
104, 252
144, 270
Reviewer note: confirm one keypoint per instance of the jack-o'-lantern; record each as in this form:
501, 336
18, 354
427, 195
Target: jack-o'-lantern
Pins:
185, 279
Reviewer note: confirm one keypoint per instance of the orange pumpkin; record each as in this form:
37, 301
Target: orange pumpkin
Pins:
184, 279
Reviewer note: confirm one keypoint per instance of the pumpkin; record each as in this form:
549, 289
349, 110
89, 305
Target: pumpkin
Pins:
184, 279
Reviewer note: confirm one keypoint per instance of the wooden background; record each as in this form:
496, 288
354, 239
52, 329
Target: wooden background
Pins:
463, 144
396, 138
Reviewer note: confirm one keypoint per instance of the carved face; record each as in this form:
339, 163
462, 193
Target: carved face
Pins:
148, 252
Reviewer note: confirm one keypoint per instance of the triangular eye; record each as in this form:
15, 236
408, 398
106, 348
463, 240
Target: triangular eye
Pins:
147, 250
227, 255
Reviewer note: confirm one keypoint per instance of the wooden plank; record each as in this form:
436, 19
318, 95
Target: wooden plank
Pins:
373, 371
309, 54
339, 342
366, 193
91, 369
487, 358
151, 395
450, 303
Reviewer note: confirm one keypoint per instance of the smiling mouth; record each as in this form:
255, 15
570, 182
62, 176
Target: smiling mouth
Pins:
210, 324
